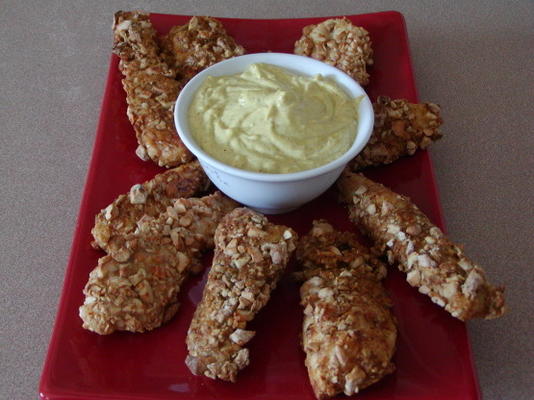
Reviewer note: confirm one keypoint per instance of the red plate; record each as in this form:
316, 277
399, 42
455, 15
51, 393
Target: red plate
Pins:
433, 357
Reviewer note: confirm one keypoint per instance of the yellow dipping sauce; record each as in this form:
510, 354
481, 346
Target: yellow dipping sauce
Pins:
267, 119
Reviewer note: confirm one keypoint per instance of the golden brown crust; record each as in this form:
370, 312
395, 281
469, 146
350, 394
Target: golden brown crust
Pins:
250, 256
148, 199
201, 42
325, 248
135, 42
150, 87
433, 263
339, 43
400, 129
139, 292
151, 99
349, 332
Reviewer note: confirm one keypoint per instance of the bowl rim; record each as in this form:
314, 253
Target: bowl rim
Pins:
364, 129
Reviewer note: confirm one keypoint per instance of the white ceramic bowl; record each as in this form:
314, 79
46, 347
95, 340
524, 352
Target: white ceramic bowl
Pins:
274, 193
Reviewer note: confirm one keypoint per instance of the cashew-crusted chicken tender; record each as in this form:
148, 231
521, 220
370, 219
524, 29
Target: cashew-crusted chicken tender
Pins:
201, 42
151, 99
250, 256
135, 41
339, 43
150, 198
139, 292
400, 129
151, 89
349, 332
433, 264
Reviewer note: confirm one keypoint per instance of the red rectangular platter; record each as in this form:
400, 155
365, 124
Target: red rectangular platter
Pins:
433, 358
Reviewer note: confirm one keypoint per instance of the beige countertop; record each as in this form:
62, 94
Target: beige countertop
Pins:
476, 59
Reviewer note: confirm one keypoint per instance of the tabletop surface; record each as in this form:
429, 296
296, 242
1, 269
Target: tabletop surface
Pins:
475, 59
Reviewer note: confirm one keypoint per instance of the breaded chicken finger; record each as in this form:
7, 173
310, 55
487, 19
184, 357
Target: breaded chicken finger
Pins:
433, 264
150, 198
338, 42
151, 89
349, 332
151, 99
250, 256
139, 293
201, 42
400, 129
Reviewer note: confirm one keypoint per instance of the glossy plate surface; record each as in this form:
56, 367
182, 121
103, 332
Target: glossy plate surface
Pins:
433, 357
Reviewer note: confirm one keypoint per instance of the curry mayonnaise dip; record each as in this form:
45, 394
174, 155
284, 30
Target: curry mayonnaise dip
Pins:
267, 119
